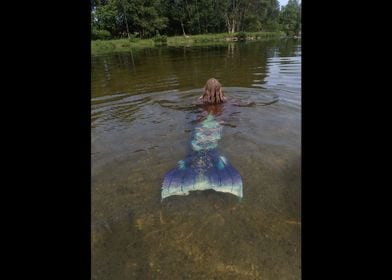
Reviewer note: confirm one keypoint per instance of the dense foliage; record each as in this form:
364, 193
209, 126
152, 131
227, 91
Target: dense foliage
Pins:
153, 18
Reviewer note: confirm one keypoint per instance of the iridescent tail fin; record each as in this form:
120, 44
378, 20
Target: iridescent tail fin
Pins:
202, 171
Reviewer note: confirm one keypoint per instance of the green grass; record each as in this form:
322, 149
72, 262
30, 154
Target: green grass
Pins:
104, 46
221, 37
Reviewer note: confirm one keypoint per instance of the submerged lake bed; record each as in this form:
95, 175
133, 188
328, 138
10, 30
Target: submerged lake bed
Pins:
142, 120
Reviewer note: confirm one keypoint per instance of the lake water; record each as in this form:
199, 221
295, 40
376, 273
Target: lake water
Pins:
141, 123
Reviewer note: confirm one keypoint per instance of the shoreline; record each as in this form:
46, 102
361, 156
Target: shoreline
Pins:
106, 46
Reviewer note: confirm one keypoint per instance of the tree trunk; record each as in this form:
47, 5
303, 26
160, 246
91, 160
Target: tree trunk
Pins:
182, 26
198, 18
228, 24
126, 22
233, 26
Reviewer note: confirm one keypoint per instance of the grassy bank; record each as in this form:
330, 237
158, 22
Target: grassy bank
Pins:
103, 46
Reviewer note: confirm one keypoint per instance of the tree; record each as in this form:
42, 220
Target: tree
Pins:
174, 11
124, 18
105, 17
290, 17
251, 15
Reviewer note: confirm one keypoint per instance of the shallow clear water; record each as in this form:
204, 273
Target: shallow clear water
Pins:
141, 126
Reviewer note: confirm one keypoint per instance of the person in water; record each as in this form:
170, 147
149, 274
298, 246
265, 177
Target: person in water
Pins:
213, 92
212, 100
204, 168
213, 95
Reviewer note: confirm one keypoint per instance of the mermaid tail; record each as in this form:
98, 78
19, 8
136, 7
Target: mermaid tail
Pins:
202, 172
204, 168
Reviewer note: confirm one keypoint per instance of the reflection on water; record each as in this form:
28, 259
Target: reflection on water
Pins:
142, 120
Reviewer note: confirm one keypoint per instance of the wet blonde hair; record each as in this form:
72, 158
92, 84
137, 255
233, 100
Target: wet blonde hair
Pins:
213, 92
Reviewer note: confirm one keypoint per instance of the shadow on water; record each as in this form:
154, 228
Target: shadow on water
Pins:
142, 120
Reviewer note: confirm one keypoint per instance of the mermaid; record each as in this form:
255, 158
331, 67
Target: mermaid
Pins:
205, 168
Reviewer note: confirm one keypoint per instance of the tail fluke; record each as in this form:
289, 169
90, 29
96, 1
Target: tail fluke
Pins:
202, 171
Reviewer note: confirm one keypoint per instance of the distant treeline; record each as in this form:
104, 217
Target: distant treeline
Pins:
111, 19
